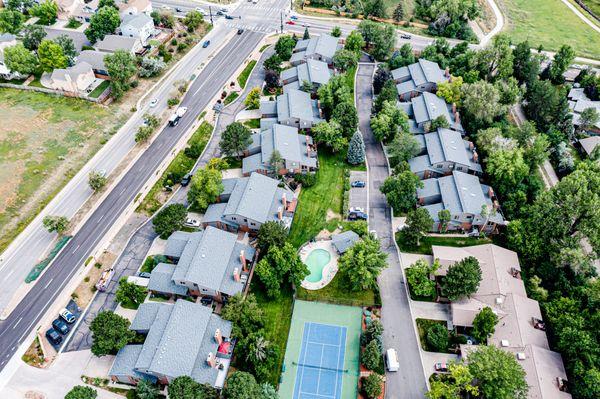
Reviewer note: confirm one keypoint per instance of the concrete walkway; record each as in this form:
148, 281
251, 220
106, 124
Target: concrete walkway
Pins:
581, 16
399, 333
58, 379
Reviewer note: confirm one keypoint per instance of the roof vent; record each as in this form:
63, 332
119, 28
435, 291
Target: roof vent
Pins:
504, 343
499, 300
521, 355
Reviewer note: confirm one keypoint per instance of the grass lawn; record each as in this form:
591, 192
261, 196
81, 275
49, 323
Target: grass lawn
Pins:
44, 141
36, 83
252, 123
337, 292
315, 201
99, 89
423, 326
73, 24
231, 97
278, 314
427, 242
549, 23
179, 166
593, 5
243, 78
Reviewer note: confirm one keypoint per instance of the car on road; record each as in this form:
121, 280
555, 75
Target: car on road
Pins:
60, 326
306, 25
67, 316
153, 102
221, 12
358, 184
240, 31
206, 44
178, 9
185, 180
391, 360
165, 7
201, 11
290, 22
441, 367
228, 17
53, 336
405, 36
294, 17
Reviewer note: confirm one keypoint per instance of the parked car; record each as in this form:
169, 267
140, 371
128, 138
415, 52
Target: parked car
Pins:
357, 215
153, 102
206, 301
60, 326
441, 367
391, 360
405, 36
206, 44
67, 316
228, 17
144, 274
358, 184
290, 22
221, 12
185, 180
53, 336
357, 209
178, 9
191, 222
240, 31
201, 11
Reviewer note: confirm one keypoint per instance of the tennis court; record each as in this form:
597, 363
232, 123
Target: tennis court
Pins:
322, 355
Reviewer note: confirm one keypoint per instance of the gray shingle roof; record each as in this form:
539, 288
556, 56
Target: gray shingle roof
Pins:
124, 364
209, 259
252, 164
430, 188
324, 45
78, 37
296, 104
112, 43
343, 241
137, 21
214, 212
447, 145
253, 198
405, 87
94, 58
268, 108
161, 280
146, 315
176, 243
428, 106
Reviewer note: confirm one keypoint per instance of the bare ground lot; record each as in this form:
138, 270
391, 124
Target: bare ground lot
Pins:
44, 141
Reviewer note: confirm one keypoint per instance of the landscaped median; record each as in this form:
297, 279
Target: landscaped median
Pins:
183, 163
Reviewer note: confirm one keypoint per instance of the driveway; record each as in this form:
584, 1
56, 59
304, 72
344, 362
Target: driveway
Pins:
358, 195
399, 333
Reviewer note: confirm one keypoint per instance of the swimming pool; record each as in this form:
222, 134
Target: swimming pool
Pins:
316, 260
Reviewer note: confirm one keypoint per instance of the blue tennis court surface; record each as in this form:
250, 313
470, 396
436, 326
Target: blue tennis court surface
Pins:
321, 362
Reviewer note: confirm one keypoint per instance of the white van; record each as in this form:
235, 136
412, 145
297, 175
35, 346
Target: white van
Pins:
391, 360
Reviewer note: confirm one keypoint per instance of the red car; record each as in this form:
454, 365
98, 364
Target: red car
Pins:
290, 23
441, 367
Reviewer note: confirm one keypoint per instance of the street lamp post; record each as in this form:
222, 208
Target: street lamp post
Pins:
210, 12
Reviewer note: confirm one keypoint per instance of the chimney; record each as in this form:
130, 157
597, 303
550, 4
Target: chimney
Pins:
496, 205
475, 157
236, 274
283, 199
457, 117
279, 213
218, 336
454, 108
243, 260
471, 145
447, 72
211, 360
491, 192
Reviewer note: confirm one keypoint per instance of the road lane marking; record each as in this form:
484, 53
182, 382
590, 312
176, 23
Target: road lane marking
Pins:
76, 248
17, 323
47, 284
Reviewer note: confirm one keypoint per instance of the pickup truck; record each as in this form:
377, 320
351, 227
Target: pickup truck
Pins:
177, 115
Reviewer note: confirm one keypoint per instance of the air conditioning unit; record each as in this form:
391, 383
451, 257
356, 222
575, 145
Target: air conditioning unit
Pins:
499, 300
521, 356
504, 343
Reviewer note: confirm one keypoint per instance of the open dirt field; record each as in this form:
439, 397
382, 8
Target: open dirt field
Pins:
44, 140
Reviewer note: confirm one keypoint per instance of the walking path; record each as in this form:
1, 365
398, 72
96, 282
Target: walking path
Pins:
399, 333
581, 16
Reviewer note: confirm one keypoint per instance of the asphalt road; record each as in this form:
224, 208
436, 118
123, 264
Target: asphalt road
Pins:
409, 381
33, 243
210, 81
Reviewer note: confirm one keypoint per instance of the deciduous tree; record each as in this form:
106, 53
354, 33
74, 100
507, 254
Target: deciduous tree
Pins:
252, 100
418, 222
462, 279
361, 264
419, 277
241, 385
371, 355
281, 265
110, 332
193, 19
354, 42
58, 224
345, 114
437, 338
11, 21
51, 56
205, 188
284, 47
170, 219
68, 47
33, 36
484, 324
82, 392
401, 191
497, 373
18, 59
121, 68
345, 59
235, 139
104, 22
330, 134
47, 12
271, 233
151, 66
130, 293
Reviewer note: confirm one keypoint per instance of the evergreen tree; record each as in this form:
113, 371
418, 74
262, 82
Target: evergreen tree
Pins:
356, 149
399, 12
306, 35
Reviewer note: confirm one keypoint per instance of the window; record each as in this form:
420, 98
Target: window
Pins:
234, 218
252, 224
246, 220
455, 217
439, 166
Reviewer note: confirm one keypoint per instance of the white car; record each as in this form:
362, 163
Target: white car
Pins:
165, 7
357, 209
191, 222
67, 316
153, 102
200, 10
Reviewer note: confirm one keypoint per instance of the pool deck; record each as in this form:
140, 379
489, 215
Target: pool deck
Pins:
329, 270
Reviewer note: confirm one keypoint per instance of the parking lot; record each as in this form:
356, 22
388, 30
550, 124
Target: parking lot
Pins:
76, 311
358, 195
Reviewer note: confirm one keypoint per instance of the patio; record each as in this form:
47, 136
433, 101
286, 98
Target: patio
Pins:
328, 270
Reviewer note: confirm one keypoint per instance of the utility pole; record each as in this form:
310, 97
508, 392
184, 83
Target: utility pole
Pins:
210, 12
281, 18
